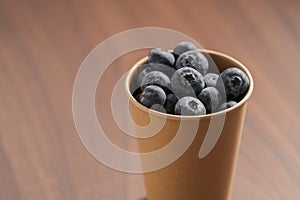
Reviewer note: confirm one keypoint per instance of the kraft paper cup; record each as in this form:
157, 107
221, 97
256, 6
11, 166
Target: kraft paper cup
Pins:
191, 177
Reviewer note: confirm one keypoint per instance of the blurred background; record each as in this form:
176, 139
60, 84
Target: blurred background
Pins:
42, 44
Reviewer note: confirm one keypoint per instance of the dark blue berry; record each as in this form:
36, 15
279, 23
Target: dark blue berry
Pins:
149, 67
193, 59
187, 81
161, 56
170, 103
189, 106
156, 78
210, 97
226, 105
210, 79
158, 107
152, 95
234, 82
184, 47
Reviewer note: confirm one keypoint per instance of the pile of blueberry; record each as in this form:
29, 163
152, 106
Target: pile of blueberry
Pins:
181, 82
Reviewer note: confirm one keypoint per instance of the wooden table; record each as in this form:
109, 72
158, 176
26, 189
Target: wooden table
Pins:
42, 44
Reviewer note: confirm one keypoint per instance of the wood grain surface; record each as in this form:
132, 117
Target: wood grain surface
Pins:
42, 44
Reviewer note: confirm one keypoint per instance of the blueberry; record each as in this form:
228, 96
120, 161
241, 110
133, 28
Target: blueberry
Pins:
149, 67
234, 82
156, 78
170, 103
210, 79
158, 107
161, 56
226, 105
187, 81
211, 98
141, 74
193, 59
189, 106
184, 47
151, 95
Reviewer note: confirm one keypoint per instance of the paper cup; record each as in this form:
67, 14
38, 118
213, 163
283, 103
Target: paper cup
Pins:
190, 177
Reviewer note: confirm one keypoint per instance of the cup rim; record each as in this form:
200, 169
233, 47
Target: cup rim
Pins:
180, 117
